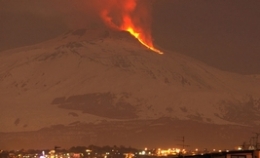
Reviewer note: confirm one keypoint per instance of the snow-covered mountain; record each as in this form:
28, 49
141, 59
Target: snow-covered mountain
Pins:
91, 80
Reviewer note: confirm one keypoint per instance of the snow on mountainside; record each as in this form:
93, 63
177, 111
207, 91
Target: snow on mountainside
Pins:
93, 75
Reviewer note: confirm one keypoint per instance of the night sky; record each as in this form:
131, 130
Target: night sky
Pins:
223, 34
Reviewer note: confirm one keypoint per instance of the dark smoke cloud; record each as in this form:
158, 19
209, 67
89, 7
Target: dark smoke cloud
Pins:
32, 21
29, 22
73, 13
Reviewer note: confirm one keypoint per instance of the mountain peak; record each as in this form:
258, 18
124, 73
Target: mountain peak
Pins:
98, 33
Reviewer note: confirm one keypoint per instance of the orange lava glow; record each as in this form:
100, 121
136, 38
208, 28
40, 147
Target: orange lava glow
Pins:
127, 7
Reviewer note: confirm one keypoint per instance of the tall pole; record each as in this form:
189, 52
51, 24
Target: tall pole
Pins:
183, 143
256, 141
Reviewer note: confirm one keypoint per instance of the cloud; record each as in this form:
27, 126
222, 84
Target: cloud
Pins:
77, 13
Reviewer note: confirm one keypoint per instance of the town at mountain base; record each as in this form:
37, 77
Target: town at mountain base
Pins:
160, 133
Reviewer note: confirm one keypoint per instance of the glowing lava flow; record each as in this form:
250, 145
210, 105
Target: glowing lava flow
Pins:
137, 36
129, 27
126, 8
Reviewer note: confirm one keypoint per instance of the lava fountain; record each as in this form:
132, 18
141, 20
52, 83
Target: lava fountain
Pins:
125, 9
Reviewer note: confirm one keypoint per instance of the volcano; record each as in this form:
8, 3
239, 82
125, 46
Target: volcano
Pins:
101, 86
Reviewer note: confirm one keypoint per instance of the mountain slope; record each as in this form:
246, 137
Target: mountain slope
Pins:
97, 75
